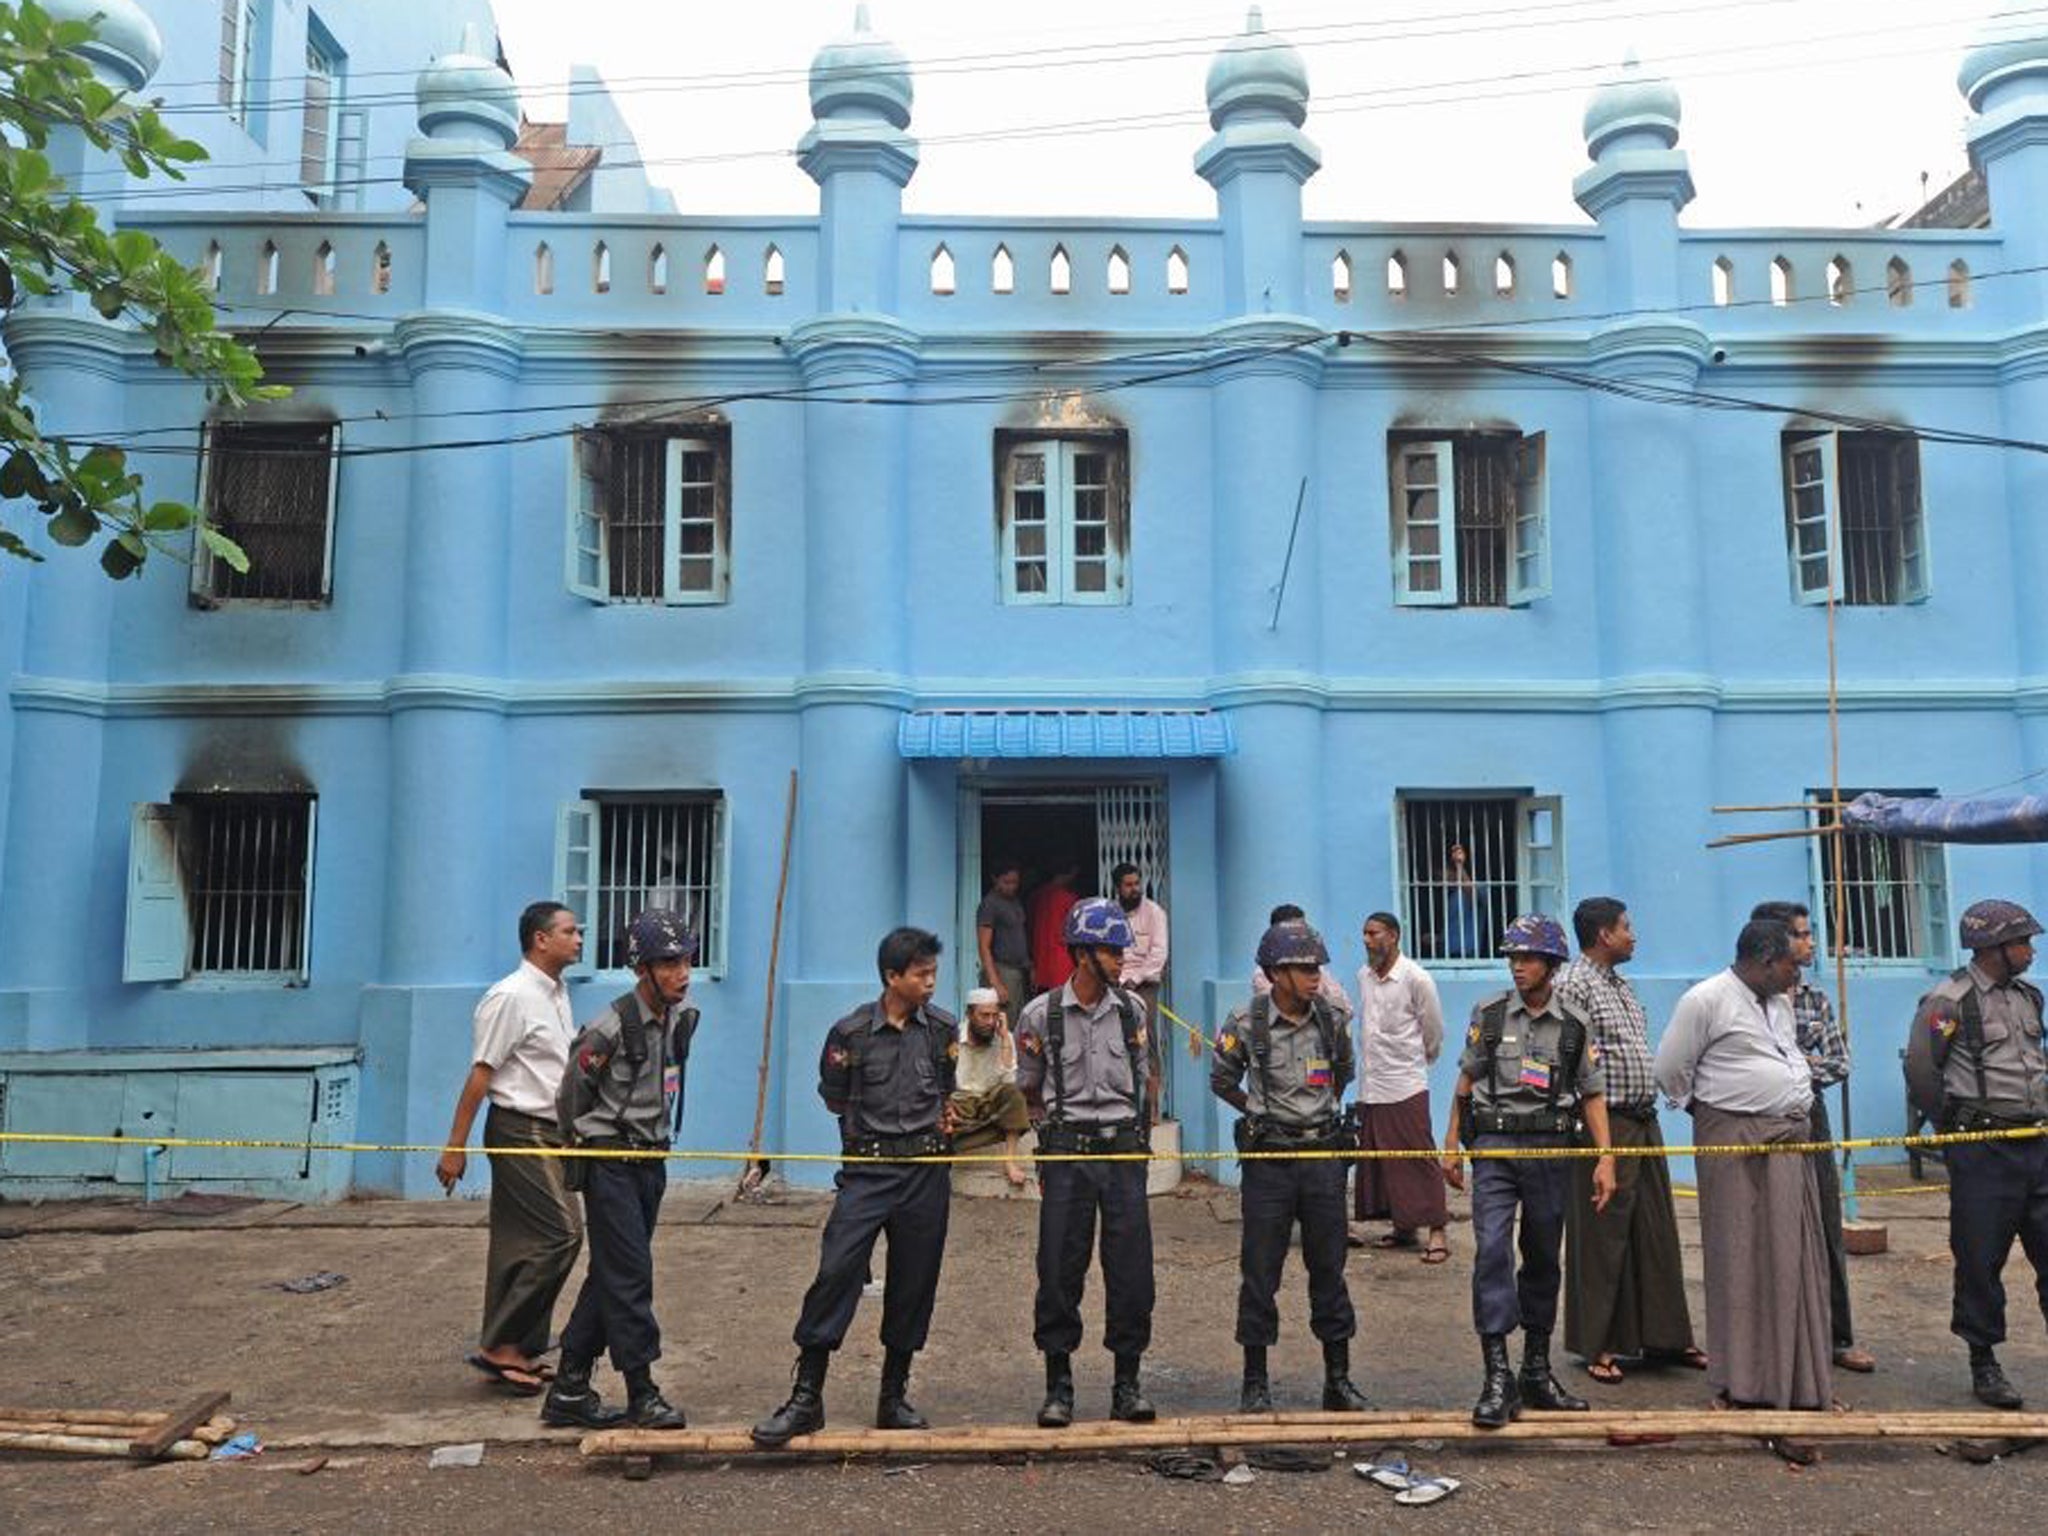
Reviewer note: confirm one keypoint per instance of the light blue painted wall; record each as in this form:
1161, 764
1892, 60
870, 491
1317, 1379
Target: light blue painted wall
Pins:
455, 693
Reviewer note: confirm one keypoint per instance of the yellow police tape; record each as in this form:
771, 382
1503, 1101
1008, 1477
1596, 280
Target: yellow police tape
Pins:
1343, 1154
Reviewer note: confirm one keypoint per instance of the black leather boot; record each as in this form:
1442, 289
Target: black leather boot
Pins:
1499, 1403
1540, 1387
804, 1413
572, 1402
892, 1409
646, 1408
1127, 1399
1987, 1380
1339, 1395
1256, 1395
1058, 1411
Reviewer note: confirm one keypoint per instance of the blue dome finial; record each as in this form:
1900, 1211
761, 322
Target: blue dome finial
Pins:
465, 97
1632, 105
1257, 74
861, 75
126, 46
2000, 59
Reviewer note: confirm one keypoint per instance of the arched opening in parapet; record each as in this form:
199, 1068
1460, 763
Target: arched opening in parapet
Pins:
714, 270
1560, 276
1119, 270
1504, 276
1781, 281
1061, 270
942, 271
1721, 279
380, 268
543, 269
600, 268
1002, 271
1958, 285
772, 272
1340, 277
1453, 274
1176, 270
1841, 282
657, 269
209, 267
1397, 276
266, 268
323, 268
1898, 283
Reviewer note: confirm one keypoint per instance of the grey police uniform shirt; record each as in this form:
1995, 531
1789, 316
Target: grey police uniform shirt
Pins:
1095, 1068
1528, 1060
2015, 1065
886, 1081
1307, 1082
603, 1097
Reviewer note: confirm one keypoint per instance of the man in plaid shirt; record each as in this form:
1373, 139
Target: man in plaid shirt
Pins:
1627, 1294
1827, 1053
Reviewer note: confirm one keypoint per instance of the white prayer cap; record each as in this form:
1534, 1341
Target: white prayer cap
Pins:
981, 995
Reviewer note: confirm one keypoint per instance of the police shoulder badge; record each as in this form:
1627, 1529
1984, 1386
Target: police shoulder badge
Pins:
1472, 1035
1031, 1045
838, 1055
952, 1050
590, 1059
1226, 1042
1943, 1024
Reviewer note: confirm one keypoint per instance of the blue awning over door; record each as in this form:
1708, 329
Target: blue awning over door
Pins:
1064, 733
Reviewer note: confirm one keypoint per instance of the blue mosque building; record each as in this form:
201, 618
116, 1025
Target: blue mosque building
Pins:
1455, 570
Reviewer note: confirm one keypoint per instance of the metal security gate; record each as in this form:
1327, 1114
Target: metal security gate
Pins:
1130, 828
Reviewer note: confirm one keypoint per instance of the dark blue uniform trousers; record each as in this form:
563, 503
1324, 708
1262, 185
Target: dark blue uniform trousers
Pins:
1503, 1294
1997, 1190
909, 1201
615, 1308
1273, 1196
1070, 1196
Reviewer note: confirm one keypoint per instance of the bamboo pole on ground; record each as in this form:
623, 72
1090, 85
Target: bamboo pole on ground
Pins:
96, 1445
1102, 1439
86, 1416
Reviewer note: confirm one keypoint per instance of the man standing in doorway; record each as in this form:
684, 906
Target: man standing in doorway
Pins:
522, 1032
1003, 947
1144, 968
1049, 906
1401, 1031
1627, 1296
1827, 1053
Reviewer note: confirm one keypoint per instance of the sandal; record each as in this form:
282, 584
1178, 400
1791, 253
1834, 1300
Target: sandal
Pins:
1606, 1370
516, 1378
1390, 1471
1427, 1490
1794, 1453
1692, 1357
1436, 1253
1394, 1240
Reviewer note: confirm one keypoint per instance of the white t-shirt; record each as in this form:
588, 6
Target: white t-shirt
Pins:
1401, 1031
523, 1028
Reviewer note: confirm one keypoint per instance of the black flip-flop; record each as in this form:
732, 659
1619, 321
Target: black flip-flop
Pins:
514, 1378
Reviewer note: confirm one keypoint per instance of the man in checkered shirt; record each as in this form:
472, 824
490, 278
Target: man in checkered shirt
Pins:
1627, 1296
1827, 1053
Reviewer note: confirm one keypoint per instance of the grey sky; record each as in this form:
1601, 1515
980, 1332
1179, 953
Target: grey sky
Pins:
1796, 111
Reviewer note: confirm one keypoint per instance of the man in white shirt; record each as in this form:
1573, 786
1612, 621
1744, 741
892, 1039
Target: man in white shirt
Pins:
1400, 1033
523, 1028
1144, 968
1731, 1057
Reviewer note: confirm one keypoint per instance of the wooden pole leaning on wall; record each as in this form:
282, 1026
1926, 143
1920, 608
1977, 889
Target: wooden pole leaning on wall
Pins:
756, 1169
1110, 1439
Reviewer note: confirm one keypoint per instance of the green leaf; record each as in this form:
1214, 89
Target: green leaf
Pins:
15, 545
167, 517
20, 475
224, 549
74, 525
118, 560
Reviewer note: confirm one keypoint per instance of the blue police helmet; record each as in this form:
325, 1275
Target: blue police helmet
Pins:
1292, 942
1988, 924
1535, 934
659, 934
1099, 921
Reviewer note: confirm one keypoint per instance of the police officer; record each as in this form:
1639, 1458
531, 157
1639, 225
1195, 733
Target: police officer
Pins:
886, 1071
1529, 1071
1299, 1056
1974, 1062
622, 1091
1081, 1062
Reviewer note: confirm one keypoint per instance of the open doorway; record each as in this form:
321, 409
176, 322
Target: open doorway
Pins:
1084, 830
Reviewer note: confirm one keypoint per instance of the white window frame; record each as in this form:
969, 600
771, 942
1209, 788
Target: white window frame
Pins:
578, 838
203, 562
588, 545
1062, 556
157, 935
1815, 539
327, 64
1528, 524
245, 19
1540, 869
1924, 884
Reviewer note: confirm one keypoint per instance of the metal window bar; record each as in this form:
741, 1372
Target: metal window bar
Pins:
697, 520
657, 853
1883, 909
1090, 544
1485, 473
245, 880
1455, 914
630, 489
1027, 522
1872, 525
266, 489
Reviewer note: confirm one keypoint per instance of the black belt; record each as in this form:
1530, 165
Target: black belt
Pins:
1971, 1116
1535, 1122
1638, 1114
1067, 1137
622, 1144
1255, 1133
923, 1144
